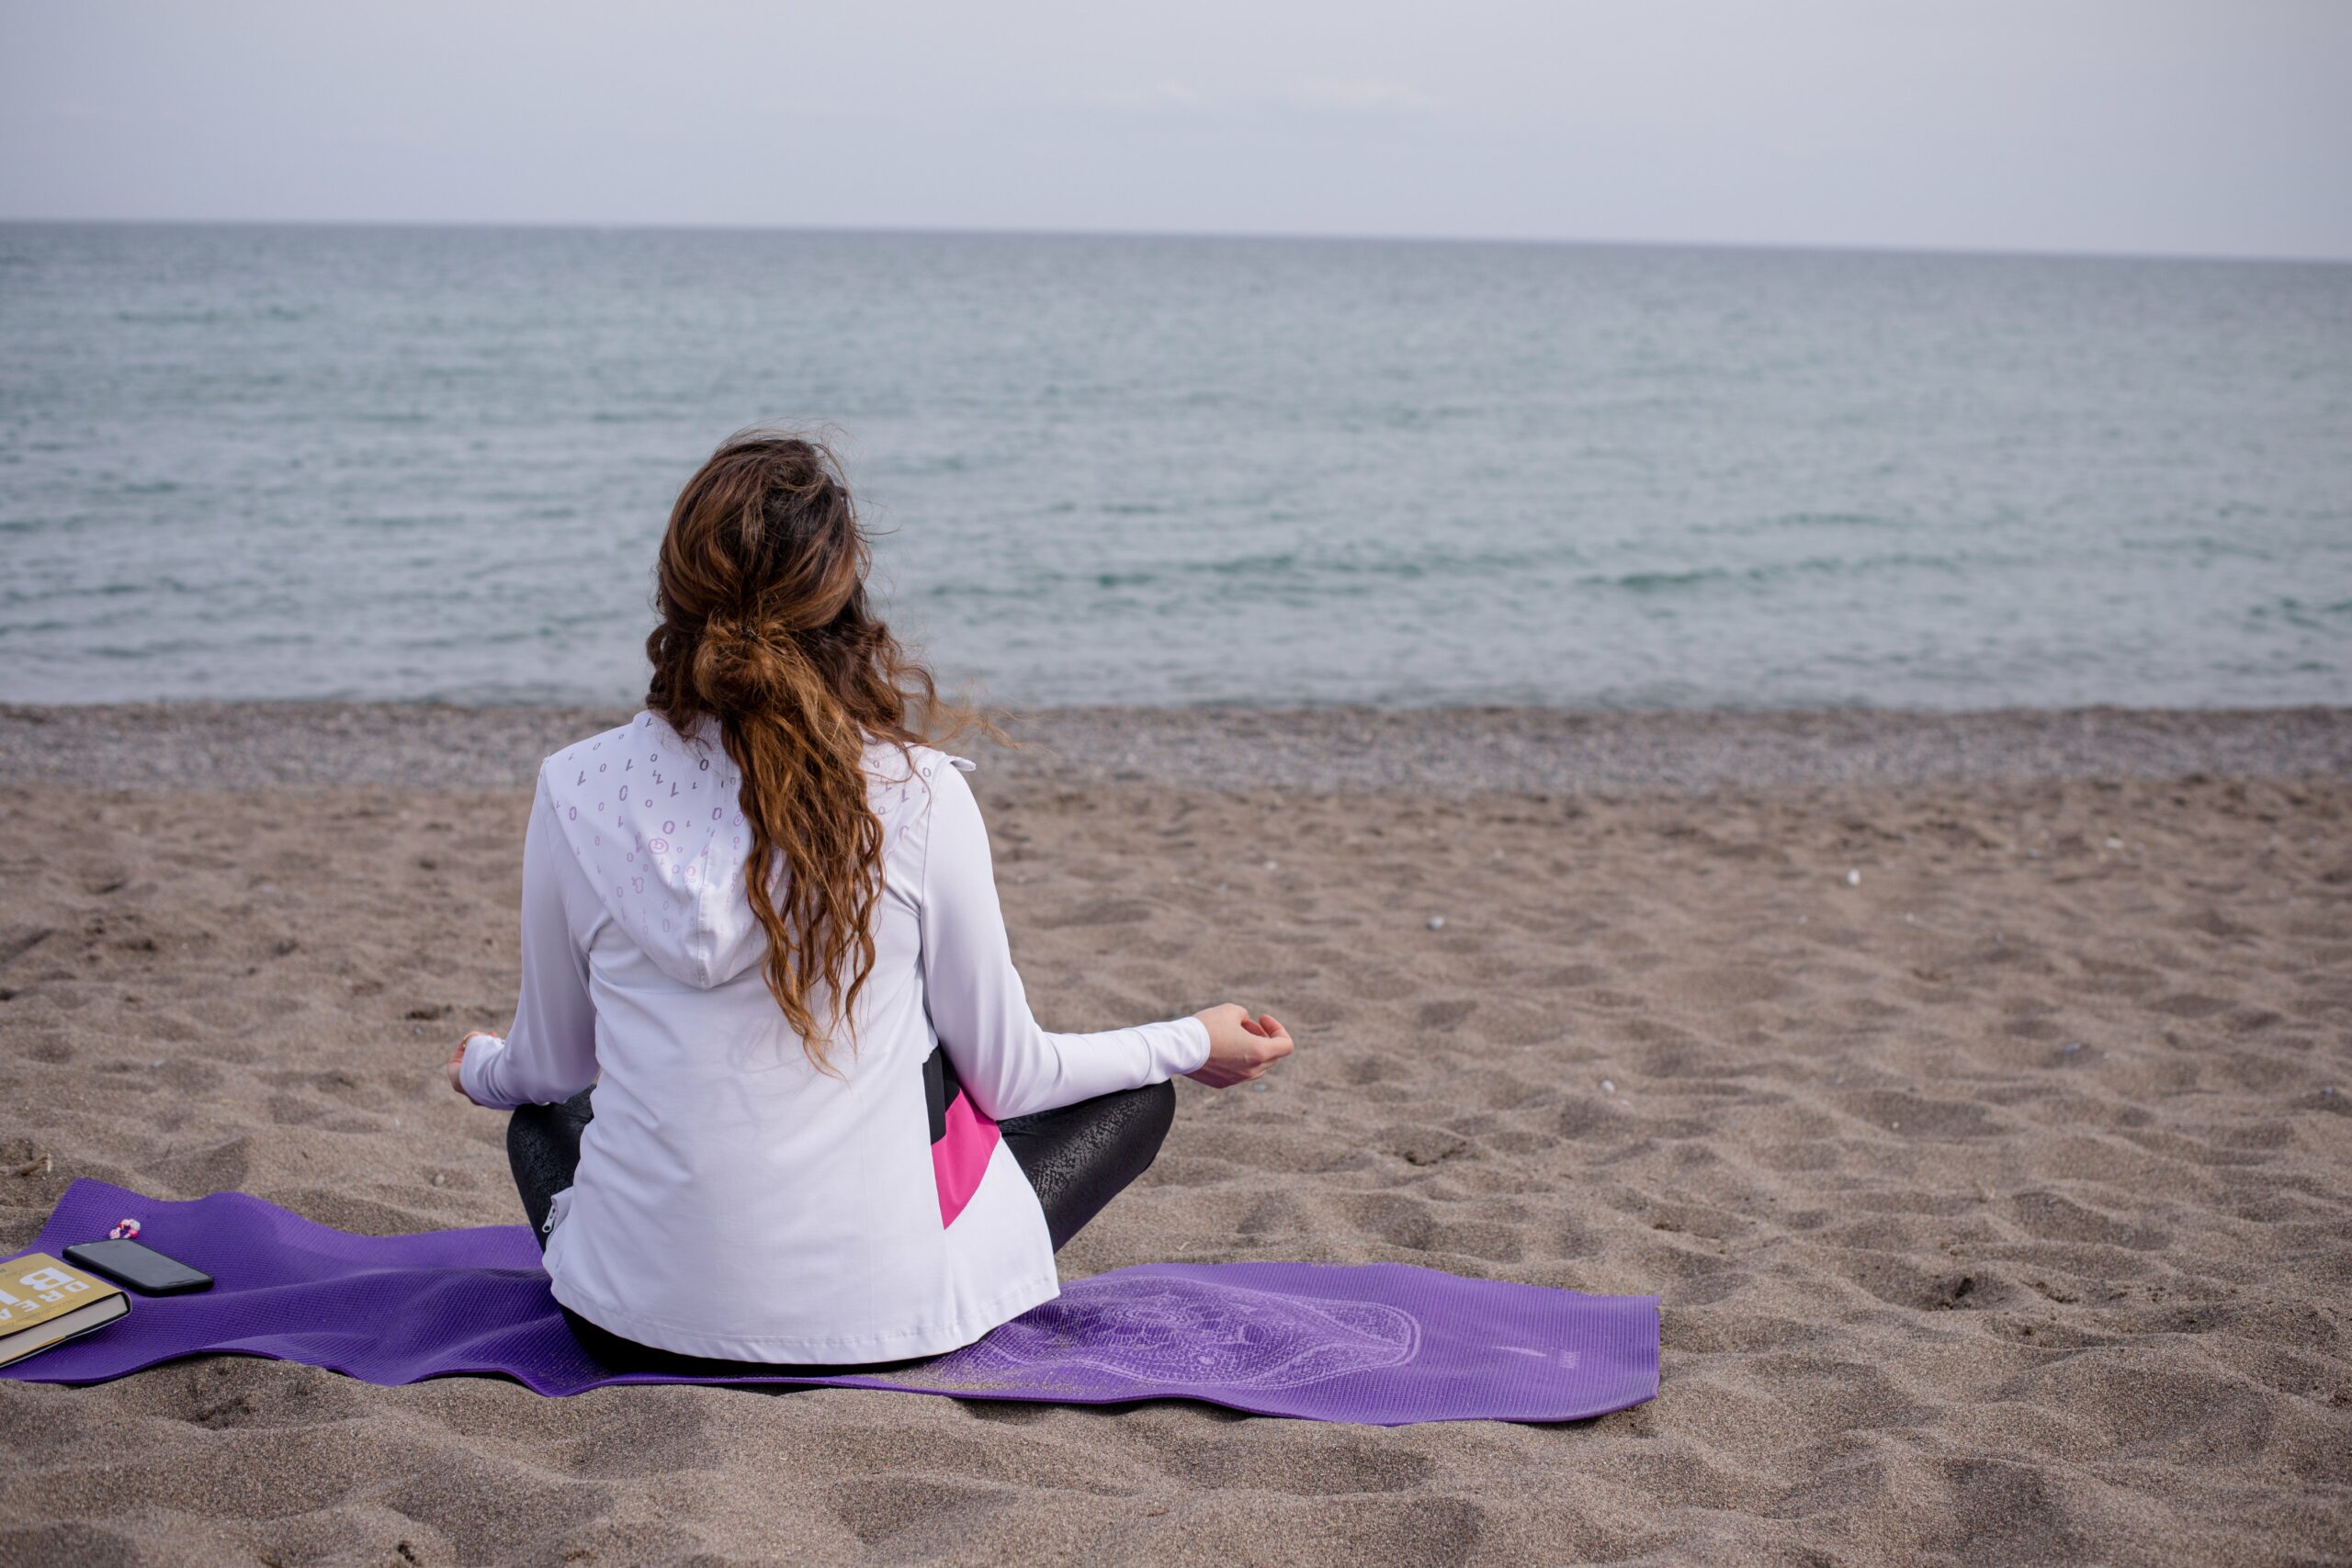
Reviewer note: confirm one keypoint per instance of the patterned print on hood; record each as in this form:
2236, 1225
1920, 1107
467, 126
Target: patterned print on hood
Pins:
656, 820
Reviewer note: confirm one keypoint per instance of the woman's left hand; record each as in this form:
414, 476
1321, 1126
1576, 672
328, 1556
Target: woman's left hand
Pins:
1242, 1047
457, 1062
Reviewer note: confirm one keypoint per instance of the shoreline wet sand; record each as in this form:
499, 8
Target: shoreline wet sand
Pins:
1974, 1090
1442, 751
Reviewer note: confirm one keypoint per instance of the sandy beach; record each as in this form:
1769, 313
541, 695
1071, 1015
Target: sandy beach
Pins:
1974, 1091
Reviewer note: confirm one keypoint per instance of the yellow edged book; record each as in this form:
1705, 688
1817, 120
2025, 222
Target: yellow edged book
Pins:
43, 1303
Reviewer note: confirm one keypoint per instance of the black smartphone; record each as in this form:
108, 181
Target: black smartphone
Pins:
142, 1268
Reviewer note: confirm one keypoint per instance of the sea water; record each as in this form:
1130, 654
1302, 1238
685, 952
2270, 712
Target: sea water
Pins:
414, 463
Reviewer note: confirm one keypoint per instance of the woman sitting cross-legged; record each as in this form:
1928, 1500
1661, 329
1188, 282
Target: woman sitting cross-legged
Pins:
761, 921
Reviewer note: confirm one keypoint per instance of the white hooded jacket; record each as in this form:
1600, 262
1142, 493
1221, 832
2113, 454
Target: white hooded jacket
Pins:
730, 1199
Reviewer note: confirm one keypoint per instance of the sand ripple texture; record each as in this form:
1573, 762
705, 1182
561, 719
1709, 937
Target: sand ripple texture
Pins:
1989, 1144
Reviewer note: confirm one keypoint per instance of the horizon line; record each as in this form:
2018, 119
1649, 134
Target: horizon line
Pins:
1261, 236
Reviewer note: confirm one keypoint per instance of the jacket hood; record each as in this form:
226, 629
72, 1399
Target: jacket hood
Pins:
655, 820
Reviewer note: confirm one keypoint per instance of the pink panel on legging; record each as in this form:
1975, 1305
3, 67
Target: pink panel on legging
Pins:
961, 1157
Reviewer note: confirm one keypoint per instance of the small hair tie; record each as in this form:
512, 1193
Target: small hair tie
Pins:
127, 1231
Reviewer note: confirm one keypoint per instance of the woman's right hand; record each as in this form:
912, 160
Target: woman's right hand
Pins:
1240, 1047
457, 1064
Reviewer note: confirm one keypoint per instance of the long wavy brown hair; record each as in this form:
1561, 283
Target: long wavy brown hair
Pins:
766, 627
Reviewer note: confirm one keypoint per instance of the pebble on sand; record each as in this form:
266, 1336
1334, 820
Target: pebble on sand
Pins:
1437, 923
1853, 879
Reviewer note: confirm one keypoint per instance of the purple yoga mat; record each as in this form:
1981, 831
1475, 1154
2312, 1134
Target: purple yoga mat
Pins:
1381, 1343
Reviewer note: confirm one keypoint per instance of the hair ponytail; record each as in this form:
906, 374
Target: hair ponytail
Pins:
765, 627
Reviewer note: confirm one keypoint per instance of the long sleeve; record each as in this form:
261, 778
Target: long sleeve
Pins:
1008, 1065
550, 1055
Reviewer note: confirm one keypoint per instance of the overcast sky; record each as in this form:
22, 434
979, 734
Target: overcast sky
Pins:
2218, 127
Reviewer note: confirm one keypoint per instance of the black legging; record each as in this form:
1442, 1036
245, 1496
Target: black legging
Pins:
1077, 1159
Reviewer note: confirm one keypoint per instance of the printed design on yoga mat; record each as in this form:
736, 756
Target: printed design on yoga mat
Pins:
1179, 1332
